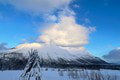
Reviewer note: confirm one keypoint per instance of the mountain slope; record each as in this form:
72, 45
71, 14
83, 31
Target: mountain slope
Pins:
50, 55
55, 53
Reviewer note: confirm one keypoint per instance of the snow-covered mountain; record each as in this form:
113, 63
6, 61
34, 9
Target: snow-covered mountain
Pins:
54, 52
45, 51
50, 54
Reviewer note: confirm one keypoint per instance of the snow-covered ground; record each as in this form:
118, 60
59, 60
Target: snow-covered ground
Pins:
62, 74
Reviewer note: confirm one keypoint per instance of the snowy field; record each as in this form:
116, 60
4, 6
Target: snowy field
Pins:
65, 74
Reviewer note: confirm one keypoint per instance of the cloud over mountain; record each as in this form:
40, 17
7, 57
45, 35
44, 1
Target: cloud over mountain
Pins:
3, 46
66, 33
113, 56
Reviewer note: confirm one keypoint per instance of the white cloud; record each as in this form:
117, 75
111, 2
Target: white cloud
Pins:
113, 56
66, 33
76, 6
29, 45
37, 7
52, 18
3, 46
67, 12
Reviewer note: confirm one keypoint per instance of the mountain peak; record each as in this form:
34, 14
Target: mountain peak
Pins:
54, 52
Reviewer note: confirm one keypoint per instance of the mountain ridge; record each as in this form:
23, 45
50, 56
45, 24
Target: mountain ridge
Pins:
51, 55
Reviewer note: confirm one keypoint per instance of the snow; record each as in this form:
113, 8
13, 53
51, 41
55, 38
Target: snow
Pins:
51, 50
55, 74
10, 75
54, 52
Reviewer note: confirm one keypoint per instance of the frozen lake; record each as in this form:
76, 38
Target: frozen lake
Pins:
64, 74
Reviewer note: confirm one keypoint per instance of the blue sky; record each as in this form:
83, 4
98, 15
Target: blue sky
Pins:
17, 26
105, 15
